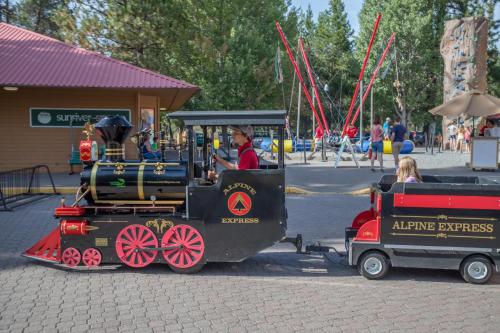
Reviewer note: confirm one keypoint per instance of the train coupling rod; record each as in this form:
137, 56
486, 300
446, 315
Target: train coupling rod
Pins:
296, 241
323, 249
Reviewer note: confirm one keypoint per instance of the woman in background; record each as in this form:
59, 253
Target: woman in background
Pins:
460, 138
377, 138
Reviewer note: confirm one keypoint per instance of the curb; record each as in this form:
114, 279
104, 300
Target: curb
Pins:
297, 190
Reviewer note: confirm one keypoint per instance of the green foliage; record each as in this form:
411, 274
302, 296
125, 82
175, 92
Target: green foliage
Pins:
225, 47
228, 48
417, 64
38, 15
6, 11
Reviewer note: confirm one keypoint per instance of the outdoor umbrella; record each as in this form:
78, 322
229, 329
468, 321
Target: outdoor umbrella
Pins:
472, 103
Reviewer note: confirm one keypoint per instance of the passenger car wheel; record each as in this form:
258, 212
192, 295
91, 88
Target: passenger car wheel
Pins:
476, 269
373, 265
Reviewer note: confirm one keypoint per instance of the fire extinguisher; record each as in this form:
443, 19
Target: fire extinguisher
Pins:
370, 152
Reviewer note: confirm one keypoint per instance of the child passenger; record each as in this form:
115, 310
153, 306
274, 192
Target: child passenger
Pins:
407, 171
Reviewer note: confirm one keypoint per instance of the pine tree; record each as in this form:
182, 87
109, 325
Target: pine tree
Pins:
225, 47
38, 15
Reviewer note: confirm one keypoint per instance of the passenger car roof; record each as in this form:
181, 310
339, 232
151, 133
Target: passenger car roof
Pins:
224, 118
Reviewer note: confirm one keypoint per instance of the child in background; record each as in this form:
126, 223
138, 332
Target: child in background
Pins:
407, 171
467, 138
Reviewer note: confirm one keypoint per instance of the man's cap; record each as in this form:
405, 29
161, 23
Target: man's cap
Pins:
387, 119
247, 130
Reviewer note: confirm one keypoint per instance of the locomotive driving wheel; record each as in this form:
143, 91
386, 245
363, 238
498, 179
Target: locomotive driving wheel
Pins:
133, 245
91, 257
71, 257
185, 249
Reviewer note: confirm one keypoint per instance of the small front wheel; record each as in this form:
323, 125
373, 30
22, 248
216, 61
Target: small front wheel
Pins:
476, 269
373, 265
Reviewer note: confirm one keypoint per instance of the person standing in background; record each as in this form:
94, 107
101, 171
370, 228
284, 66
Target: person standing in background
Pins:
318, 136
397, 139
467, 138
460, 138
377, 144
387, 128
452, 136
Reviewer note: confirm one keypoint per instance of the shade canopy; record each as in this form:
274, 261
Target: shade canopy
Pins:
472, 103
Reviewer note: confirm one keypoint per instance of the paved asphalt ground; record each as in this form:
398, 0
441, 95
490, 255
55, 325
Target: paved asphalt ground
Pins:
275, 291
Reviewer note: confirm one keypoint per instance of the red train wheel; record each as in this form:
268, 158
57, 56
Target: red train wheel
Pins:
186, 248
91, 257
71, 257
130, 245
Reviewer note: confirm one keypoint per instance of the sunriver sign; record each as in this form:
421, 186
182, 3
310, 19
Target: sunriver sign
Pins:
54, 117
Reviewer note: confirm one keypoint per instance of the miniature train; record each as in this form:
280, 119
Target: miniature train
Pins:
168, 211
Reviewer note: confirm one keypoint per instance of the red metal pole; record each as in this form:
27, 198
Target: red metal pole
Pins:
297, 71
311, 79
356, 90
374, 75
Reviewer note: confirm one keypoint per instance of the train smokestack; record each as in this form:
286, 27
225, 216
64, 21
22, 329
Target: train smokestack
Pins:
113, 131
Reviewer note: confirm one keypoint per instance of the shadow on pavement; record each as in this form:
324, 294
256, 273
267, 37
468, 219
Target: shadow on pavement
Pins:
284, 265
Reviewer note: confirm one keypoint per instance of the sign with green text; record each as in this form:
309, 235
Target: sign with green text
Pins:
54, 117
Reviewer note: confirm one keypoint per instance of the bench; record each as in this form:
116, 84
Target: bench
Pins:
74, 160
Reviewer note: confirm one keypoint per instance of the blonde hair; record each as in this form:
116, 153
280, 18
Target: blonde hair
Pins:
408, 168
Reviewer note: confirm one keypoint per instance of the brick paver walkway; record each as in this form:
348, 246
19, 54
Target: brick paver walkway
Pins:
277, 291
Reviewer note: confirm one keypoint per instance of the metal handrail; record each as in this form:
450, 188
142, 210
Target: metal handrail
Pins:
16, 184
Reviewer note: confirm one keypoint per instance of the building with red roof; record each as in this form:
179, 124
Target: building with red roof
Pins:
49, 89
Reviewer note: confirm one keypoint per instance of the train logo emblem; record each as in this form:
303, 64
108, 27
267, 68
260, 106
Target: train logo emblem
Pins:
239, 203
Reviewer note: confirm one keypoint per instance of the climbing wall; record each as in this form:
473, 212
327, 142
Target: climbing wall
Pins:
463, 48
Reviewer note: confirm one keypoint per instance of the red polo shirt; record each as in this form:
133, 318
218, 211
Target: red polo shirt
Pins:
319, 133
247, 160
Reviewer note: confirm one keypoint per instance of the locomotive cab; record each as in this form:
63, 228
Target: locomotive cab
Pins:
243, 210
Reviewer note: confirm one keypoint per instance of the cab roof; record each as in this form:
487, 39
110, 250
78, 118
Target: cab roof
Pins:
225, 118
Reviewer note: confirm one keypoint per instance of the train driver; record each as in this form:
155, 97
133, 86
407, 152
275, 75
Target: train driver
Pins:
247, 157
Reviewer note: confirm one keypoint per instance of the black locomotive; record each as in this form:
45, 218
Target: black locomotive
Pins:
168, 211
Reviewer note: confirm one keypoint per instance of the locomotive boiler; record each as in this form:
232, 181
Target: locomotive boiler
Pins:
113, 180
